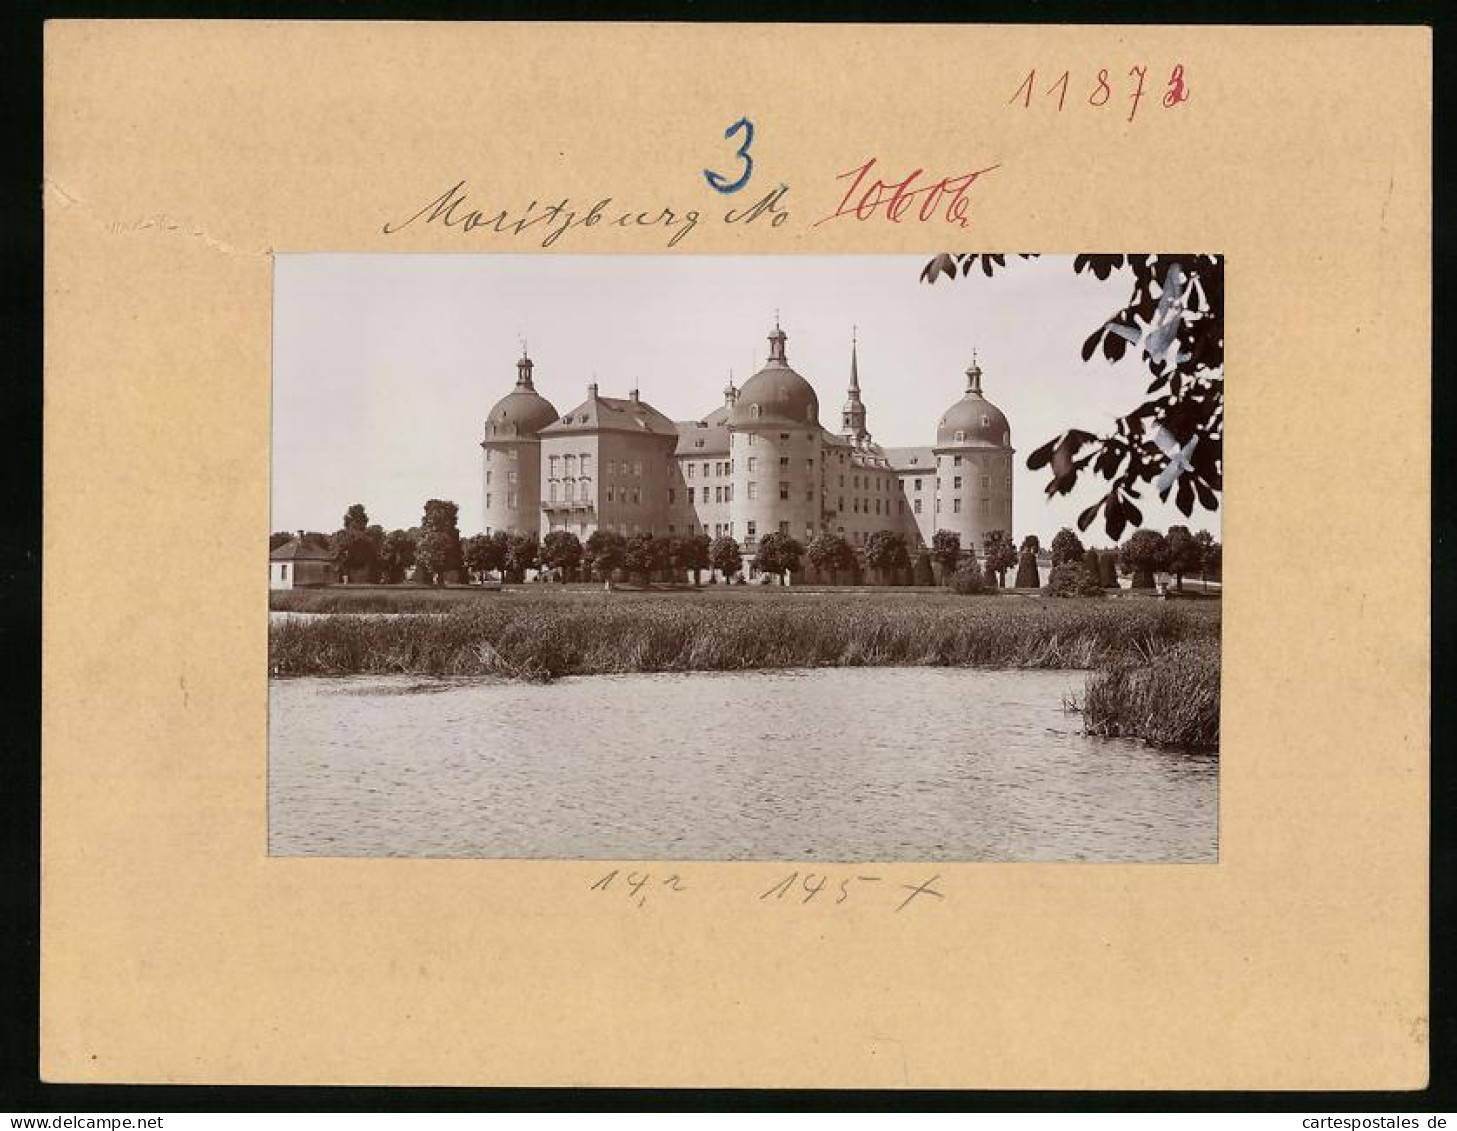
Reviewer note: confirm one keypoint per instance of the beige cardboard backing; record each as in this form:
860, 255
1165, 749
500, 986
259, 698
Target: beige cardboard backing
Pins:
179, 154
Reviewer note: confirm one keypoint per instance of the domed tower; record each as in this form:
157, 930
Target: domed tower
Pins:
511, 460
774, 442
974, 467
852, 416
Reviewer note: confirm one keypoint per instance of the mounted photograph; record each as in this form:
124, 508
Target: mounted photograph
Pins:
910, 558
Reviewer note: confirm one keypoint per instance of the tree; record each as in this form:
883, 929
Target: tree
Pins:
356, 518
561, 549
829, 553
1142, 555
664, 554
396, 555
777, 553
604, 553
356, 552
1108, 569
438, 552
923, 575
638, 556
693, 555
1071, 579
1027, 576
725, 556
1032, 544
522, 554
1174, 317
1211, 557
946, 551
1184, 554
279, 538
1000, 556
484, 554
885, 552
1066, 547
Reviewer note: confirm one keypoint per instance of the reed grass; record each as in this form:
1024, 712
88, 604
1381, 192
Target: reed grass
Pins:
525, 636
1169, 698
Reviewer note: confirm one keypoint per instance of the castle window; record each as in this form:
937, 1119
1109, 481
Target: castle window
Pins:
783, 461
809, 466
753, 527
783, 490
986, 482
784, 528
956, 462
698, 443
960, 437
586, 464
985, 420
489, 454
584, 491
705, 471
718, 494
841, 507
809, 496
283, 572
488, 504
938, 506
956, 506
918, 484
488, 479
753, 464
553, 491
918, 506
609, 494
692, 467
784, 435
755, 411
956, 483
752, 438
636, 496
571, 465
511, 500
637, 468
753, 490
690, 496
551, 463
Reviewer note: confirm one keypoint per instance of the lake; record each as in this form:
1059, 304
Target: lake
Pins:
830, 764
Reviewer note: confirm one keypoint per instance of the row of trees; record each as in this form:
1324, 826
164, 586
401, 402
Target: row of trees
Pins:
435, 550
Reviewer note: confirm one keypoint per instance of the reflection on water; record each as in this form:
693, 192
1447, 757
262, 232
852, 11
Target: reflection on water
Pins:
844, 764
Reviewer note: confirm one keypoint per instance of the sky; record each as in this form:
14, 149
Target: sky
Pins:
385, 366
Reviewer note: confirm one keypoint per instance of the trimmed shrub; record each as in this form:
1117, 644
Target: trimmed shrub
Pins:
1071, 580
968, 580
924, 574
1027, 571
1108, 569
1092, 564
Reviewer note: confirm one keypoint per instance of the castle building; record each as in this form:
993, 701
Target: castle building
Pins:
760, 462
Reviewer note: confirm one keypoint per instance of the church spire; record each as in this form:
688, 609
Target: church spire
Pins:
852, 416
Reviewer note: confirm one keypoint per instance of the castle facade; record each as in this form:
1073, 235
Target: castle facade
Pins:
759, 462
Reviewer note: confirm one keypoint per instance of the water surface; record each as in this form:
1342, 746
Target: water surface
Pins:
834, 764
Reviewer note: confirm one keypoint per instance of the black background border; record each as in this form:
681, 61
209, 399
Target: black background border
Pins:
21, 410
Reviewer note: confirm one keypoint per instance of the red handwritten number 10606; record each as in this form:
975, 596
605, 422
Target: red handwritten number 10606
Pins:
1176, 90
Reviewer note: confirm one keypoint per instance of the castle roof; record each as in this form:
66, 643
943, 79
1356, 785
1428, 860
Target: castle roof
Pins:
776, 395
612, 414
521, 413
973, 421
912, 459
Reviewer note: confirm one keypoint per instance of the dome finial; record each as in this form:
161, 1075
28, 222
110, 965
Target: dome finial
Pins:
973, 375
523, 368
776, 344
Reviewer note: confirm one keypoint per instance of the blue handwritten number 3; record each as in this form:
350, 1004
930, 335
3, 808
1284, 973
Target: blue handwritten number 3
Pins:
718, 180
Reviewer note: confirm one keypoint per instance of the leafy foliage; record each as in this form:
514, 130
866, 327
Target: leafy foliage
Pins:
1066, 547
604, 553
923, 572
693, 555
725, 556
522, 554
1000, 555
946, 549
1174, 317
1184, 554
1027, 567
561, 549
968, 580
885, 551
829, 553
396, 555
641, 556
438, 552
1143, 554
1108, 569
484, 553
1071, 580
778, 553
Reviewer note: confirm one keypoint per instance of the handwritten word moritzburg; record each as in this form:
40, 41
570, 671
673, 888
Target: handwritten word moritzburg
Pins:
452, 209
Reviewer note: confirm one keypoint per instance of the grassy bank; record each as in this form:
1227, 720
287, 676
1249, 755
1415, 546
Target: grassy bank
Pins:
546, 636
1171, 700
